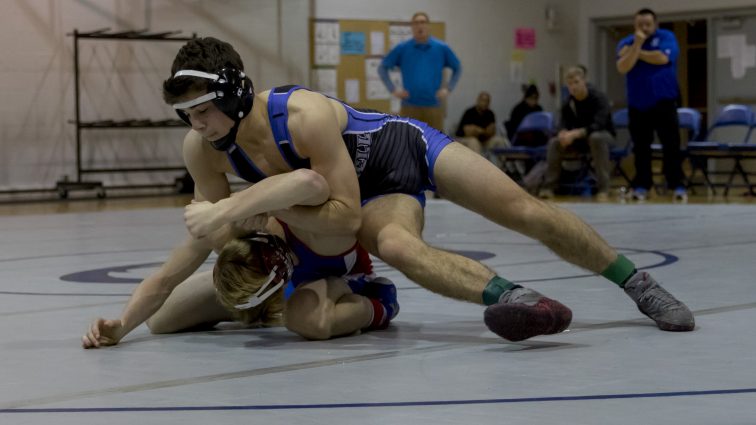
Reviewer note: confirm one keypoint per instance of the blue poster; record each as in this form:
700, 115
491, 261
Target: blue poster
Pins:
352, 43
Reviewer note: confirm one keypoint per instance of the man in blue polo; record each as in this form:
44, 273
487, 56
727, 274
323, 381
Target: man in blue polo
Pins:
421, 61
648, 58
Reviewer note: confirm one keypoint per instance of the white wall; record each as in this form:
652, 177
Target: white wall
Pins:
122, 80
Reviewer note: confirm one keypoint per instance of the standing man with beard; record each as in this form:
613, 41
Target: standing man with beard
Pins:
648, 59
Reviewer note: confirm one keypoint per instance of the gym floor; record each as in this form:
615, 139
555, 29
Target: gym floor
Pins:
65, 263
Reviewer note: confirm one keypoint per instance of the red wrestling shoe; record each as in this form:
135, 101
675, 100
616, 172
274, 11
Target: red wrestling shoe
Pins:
523, 313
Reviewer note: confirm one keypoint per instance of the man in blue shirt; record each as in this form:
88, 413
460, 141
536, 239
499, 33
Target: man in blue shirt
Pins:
648, 58
421, 61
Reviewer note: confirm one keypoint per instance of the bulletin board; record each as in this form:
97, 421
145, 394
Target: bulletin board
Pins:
344, 55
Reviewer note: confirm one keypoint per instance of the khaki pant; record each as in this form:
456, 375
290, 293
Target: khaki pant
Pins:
433, 115
597, 144
476, 146
484, 149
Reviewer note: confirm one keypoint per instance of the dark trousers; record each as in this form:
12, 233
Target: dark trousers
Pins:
662, 118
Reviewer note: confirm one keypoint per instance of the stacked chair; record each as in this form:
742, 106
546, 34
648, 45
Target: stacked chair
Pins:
730, 137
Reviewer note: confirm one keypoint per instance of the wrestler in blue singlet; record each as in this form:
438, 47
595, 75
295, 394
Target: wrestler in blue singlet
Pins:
391, 154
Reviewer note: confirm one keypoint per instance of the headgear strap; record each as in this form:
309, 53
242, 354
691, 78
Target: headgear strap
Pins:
277, 258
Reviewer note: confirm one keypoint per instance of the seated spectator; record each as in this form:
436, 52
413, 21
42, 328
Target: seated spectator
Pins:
586, 126
477, 129
528, 104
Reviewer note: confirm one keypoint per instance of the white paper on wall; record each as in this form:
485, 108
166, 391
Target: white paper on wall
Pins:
374, 87
324, 81
516, 72
396, 105
327, 54
741, 54
377, 43
326, 32
376, 90
327, 48
352, 90
371, 68
399, 33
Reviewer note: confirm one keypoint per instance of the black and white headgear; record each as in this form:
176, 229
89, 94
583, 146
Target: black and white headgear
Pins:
229, 89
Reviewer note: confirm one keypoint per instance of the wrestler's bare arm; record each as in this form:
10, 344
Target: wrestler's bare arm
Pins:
316, 133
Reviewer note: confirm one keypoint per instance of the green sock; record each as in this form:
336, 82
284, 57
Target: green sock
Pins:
496, 286
619, 271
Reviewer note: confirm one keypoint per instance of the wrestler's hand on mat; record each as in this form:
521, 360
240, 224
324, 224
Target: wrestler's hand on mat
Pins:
200, 218
102, 333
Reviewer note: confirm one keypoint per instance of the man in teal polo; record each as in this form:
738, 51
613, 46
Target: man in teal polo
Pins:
422, 60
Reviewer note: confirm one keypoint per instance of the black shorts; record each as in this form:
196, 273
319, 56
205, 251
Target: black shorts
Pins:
397, 158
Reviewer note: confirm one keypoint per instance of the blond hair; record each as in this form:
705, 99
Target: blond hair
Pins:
237, 275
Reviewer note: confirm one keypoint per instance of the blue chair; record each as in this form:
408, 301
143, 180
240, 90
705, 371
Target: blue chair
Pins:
529, 142
624, 146
541, 123
732, 126
690, 119
742, 152
621, 118
538, 123
726, 139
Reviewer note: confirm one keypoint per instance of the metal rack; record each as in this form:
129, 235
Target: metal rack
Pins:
64, 186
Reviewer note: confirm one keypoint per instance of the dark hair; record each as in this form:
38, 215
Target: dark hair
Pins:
531, 90
206, 54
646, 11
584, 68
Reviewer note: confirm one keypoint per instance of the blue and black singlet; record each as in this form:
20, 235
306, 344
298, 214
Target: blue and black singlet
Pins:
391, 154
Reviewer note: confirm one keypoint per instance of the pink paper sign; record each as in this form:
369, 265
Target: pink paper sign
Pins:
525, 38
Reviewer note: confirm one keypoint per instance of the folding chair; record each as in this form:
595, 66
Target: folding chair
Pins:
534, 122
726, 139
618, 151
624, 145
539, 126
689, 120
742, 152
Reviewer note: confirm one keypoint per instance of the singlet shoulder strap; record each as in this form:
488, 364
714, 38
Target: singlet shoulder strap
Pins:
278, 114
243, 165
